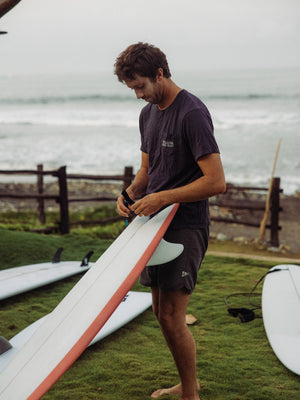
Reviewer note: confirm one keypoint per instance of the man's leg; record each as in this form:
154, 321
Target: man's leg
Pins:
170, 310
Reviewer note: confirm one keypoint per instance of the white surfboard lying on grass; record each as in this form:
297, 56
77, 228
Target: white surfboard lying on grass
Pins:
69, 329
281, 313
18, 280
133, 304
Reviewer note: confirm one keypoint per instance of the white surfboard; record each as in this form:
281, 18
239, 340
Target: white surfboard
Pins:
17, 280
133, 304
281, 313
69, 329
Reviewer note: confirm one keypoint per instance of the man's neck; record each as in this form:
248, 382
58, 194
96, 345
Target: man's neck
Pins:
171, 91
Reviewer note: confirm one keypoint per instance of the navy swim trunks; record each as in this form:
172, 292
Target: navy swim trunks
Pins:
180, 273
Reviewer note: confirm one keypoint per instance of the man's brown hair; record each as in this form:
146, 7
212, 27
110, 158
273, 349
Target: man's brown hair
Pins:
141, 59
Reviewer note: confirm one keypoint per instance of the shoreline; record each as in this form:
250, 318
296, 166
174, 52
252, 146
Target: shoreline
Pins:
289, 218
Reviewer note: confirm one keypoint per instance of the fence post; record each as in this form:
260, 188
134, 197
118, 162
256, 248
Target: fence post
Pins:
128, 177
63, 200
40, 190
275, 208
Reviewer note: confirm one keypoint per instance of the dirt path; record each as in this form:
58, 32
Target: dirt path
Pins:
279, 260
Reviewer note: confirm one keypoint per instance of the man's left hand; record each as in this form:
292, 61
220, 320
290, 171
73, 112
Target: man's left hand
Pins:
148, 205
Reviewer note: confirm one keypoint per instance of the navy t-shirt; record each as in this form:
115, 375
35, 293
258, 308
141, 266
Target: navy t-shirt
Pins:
174, 139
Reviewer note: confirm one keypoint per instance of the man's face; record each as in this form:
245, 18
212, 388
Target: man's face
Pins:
146, 89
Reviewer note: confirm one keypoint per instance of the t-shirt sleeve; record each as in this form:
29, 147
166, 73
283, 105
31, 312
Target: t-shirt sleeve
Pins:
144, 143
198, 131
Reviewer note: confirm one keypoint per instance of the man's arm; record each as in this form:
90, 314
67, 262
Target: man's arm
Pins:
137, 188
211, 183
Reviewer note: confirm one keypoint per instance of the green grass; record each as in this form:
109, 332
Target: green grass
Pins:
235, 361
26, 221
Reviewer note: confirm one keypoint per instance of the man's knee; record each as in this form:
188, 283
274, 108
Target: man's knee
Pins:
169, 318
170, 310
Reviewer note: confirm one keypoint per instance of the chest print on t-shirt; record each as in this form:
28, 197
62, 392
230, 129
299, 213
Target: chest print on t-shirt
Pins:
167, 143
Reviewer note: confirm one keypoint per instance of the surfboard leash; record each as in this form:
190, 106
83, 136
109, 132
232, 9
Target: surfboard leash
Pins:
128, 202
247, 314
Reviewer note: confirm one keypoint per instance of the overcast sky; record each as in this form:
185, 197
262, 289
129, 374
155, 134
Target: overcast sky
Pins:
87, 35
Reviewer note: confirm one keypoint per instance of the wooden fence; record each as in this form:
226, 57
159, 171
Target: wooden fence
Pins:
239, 205
246, 205
62, 197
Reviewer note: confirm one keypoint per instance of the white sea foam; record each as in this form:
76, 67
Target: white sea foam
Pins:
70, 117
90, 123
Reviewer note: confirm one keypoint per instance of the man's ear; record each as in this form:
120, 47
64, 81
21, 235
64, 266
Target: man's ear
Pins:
159, 74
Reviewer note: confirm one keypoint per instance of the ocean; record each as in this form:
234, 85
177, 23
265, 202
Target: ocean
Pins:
89, 123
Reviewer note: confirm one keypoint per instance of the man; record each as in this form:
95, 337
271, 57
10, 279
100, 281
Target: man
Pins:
180, 163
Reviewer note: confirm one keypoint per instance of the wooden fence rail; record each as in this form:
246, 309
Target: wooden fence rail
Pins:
62, 198
240, 198
250, 200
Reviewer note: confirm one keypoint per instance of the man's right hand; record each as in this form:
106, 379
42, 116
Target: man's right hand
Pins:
122, 209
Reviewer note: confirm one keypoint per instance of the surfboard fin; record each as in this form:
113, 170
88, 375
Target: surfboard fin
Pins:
56, 258
165, 252
86, 259
4, 345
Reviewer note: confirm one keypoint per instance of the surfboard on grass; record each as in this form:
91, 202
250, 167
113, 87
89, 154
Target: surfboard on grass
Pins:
18, 280
72, 325
133, 304
281, 313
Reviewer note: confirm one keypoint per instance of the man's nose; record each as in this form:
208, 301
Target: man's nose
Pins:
139, 94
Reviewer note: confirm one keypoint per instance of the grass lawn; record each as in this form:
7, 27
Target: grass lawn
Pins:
235, 361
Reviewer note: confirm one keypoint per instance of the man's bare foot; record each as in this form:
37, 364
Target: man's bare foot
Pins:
175, 390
